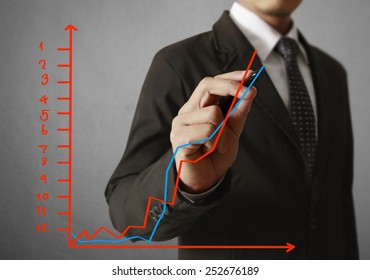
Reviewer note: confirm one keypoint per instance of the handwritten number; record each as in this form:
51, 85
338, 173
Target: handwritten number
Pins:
45, 79
42, 62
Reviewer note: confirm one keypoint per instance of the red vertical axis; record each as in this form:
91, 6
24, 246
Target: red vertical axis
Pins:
71, 28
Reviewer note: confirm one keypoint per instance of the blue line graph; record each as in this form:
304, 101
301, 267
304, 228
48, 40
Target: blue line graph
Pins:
166, 175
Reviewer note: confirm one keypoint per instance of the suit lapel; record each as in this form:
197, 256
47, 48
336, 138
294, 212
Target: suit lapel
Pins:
324, 98
237, 52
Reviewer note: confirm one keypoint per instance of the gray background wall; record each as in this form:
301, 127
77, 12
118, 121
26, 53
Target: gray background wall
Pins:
113, 50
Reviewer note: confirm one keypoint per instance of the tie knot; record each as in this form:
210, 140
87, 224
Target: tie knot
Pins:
287, 48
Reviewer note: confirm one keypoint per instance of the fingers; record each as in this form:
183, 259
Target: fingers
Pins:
208, 115
200, 116
194, 135
198, 126
191, 138
235, 75
237, 119
209, 91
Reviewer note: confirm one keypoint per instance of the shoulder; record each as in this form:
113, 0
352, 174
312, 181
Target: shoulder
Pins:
191, 59
191, 54
190, 47
328, 62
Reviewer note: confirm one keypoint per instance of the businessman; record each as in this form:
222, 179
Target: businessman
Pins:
282, 169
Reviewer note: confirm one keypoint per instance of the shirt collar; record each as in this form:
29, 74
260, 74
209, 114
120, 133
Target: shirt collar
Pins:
261, 35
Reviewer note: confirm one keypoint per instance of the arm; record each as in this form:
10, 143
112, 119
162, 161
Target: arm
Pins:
141, 171
349, 211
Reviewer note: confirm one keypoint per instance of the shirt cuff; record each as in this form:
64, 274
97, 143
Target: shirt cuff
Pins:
194, 197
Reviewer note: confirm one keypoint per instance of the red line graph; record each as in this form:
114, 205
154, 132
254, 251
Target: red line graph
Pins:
70, 28
71, 242
287, 247
85, 233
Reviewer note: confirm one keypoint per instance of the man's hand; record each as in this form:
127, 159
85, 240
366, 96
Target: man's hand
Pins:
198, 119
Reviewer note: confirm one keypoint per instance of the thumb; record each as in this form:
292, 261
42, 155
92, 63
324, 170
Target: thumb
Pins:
240, 112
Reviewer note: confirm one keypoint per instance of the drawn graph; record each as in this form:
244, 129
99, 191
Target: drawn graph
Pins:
83, 240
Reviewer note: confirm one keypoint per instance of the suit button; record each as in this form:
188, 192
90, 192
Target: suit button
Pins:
161, 206
157, 211
313, 224
153, 215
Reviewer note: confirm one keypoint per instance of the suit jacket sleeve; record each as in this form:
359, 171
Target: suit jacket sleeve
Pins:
141, 171
349, 211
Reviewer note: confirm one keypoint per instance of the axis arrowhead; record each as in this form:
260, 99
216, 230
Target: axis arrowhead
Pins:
290, 247
70, 27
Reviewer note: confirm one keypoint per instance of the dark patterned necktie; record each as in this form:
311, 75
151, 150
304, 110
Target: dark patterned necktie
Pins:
302, 113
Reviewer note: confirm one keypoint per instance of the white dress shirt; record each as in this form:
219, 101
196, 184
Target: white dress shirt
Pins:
264, 38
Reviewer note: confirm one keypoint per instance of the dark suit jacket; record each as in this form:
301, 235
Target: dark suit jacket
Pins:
266, 197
